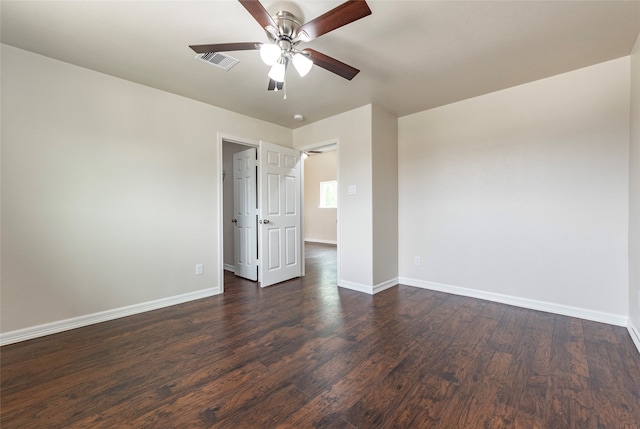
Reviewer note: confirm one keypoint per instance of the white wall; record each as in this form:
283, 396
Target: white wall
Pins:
109, 190
385, 197
634, 195
319, 223
523, 193
367, 227
352, 131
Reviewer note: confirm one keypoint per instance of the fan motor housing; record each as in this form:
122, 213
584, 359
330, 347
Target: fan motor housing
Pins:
288, 26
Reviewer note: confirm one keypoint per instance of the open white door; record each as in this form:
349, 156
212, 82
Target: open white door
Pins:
279, 214
245, 213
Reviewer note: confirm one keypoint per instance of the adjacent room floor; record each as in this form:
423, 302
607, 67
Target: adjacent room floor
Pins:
306, 353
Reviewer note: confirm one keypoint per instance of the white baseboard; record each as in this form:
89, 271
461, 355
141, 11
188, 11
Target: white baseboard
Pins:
229, 267
321, 241
116, 313
565, 310
635, 334
371, 290
385, 285
102, 316
358, 287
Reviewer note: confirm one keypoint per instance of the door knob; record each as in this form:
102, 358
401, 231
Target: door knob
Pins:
234, 220
264, 221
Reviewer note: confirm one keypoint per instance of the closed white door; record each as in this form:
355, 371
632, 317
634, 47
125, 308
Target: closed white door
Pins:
279, 214
245, 214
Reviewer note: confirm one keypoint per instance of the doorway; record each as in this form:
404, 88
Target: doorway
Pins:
229, 148
322, 201
321, 195
261, 211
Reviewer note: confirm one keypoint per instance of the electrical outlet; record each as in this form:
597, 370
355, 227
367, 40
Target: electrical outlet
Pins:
199, 269
416, 260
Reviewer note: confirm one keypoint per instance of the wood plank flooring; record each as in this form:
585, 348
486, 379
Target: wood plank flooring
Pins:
308, 354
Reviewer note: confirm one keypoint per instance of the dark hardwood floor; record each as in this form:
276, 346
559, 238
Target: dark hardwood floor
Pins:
308, 354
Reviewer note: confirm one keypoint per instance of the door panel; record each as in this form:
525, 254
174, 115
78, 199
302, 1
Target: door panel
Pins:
290, 197
273, 197
280, 219
273, 259
245, 214
291, 247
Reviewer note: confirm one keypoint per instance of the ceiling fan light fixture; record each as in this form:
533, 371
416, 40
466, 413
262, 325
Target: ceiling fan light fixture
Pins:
278, 70
302, 63
270, 53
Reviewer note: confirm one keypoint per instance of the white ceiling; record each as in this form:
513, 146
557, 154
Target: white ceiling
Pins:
413, 55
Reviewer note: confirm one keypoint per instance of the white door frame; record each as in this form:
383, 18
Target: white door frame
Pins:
313, 146
256, 143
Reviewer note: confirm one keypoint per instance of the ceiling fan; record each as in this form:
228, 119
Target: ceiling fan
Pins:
285, 33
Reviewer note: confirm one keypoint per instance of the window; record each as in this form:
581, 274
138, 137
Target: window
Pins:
329, 194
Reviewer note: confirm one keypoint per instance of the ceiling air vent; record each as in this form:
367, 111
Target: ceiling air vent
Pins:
220, 60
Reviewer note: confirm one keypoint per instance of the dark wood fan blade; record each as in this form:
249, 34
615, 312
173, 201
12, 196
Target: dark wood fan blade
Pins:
333, 65
260, 14
337, 17
225, 47
275, 86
